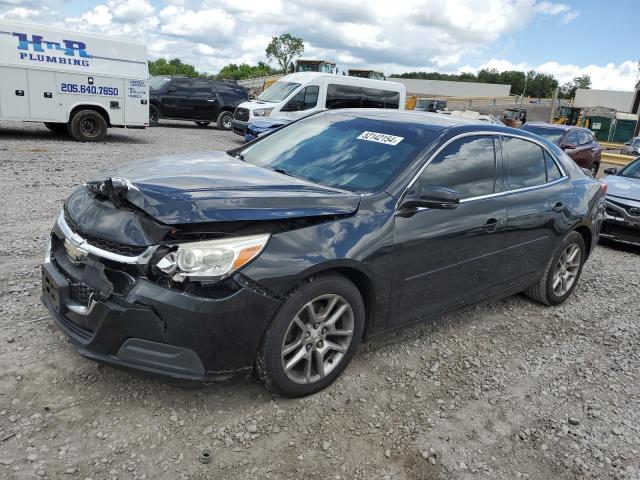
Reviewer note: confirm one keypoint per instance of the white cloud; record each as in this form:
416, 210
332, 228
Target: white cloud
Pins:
608, 77
391, 36
551, 8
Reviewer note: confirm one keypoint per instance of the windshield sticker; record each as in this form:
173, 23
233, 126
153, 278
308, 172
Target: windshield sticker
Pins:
380, 138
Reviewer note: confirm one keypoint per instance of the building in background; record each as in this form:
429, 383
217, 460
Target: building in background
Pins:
613, 99
445, 88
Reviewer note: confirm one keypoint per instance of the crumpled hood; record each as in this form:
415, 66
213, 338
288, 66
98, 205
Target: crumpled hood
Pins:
210, 187
623, 187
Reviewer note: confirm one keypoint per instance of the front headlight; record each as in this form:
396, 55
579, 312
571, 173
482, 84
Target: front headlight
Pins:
262, 112
212, 260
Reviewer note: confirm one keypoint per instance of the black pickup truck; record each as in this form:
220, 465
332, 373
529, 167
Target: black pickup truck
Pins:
198, 99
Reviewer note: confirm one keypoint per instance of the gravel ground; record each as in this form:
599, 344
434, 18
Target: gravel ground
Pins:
506, 390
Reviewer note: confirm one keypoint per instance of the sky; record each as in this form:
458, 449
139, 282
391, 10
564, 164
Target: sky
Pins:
564, 39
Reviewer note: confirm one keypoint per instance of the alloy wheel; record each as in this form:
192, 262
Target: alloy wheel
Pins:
226, 122
317, 338
566, 271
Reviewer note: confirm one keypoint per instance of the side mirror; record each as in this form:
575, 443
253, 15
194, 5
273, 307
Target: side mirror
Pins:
611, 171
627, 143
433, 197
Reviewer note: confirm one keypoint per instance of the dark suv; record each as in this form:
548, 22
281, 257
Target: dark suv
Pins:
198, 99
579, 143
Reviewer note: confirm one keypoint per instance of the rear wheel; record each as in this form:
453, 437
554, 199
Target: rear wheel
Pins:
202, 124
562, 272
88, 126
312, 338
154, 116
57, 128
224, 121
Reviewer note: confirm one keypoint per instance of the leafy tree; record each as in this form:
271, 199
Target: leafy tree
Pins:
242, 71
175, 66
283, 49
568, 90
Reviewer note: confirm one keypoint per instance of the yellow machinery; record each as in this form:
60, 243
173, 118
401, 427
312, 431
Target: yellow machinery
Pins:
410, 102
567, 116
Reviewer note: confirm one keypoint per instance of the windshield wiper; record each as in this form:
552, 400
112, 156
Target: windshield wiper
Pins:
235, 154
284, 172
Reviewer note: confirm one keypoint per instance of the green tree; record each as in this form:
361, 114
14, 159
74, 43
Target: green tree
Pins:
283, 49
568, 90
175, 66
242, 71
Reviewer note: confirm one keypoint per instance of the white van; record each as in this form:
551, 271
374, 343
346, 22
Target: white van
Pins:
74, 82
299, 94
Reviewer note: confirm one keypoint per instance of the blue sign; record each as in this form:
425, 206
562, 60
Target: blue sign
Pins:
75, 52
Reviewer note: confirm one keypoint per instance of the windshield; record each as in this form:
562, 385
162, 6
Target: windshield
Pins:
551, 134
632, 170
278, 92
341, 150
157, 82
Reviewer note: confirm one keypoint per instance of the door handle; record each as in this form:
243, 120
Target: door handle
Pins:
210, 100
491, 225
558, 207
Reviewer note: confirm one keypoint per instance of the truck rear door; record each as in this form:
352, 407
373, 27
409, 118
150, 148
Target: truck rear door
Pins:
14, 88
43, 100
136, 98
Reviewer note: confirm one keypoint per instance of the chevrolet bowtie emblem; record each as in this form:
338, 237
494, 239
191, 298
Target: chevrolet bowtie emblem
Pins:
75, 253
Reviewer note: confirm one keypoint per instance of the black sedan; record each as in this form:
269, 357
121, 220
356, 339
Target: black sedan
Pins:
280, 256
622, 222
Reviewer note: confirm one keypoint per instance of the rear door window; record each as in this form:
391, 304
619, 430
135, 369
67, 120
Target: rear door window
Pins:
180, 87
466, 165
377, 98
343, 96
200, 89
526, 163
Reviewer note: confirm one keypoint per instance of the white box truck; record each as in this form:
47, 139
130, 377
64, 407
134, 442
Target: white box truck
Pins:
73, 82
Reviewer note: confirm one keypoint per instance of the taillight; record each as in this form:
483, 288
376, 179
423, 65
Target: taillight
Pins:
603, 186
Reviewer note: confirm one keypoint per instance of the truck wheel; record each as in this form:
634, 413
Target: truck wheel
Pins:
224, 121
57, 128
312, 337
88, 126
202, 124
154, 116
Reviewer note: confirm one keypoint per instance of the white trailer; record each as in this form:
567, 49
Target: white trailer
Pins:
73, 82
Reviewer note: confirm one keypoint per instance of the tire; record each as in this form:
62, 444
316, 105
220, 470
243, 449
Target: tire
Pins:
544, 291
202, 124
594, 169
315, 341
224, 120
88, 126
57, 128
154, 116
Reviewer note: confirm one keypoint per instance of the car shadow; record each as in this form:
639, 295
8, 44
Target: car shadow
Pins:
186, 125
621, 247
29, 135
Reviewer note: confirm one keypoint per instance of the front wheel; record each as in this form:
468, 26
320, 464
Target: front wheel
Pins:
312, 338
224, 121
88, 126
561, 273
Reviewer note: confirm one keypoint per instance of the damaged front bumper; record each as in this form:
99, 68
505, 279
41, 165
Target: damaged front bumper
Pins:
113, 315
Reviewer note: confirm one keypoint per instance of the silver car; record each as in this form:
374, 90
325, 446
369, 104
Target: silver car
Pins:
632, 147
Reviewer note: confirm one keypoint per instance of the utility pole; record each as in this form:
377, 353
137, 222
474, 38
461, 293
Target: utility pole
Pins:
526, 77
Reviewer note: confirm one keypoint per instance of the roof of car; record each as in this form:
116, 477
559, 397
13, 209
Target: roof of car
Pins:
555, 125
431, 121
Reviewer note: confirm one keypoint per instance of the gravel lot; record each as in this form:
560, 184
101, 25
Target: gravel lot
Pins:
506, 390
